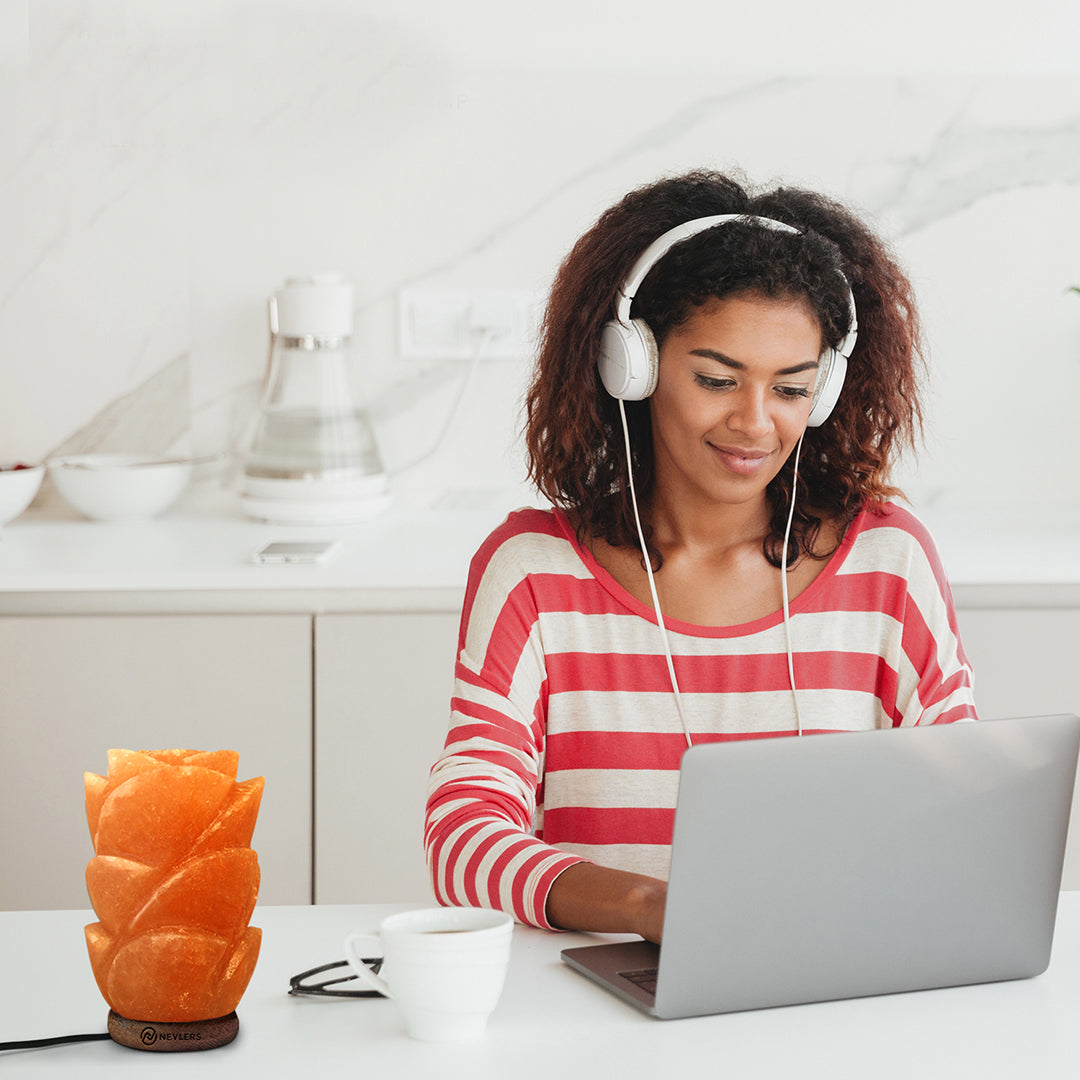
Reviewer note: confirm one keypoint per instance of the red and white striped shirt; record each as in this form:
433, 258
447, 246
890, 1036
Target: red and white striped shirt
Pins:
565, 741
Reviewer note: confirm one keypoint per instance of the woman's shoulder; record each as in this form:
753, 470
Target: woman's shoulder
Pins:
524, 564
893, 522
529, 541
527, 521
890, 536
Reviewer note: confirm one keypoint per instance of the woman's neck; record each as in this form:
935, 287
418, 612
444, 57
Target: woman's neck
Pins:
680, 524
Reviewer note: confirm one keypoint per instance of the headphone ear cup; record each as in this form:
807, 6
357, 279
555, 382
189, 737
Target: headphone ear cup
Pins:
827, 391
629, 360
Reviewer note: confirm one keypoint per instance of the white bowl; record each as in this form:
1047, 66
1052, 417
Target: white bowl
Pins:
17, 490
119, 487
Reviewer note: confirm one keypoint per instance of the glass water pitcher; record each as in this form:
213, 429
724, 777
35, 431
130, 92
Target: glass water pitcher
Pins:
313, 458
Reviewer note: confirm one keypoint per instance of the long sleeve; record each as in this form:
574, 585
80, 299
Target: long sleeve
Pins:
481, 829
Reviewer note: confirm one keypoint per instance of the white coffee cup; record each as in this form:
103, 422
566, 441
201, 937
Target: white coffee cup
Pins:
445, 968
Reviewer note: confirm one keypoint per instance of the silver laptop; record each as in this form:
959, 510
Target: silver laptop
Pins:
844, 865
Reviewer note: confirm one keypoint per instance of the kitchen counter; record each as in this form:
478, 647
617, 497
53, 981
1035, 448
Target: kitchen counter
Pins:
197, 557
415, 557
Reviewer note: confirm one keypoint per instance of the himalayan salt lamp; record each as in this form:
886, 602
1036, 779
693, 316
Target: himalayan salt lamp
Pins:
173, 882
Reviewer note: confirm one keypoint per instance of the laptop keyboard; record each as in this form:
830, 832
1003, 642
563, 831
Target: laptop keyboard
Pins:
645, 978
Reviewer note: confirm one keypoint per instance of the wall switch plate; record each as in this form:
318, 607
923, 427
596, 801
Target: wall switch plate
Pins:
454, 324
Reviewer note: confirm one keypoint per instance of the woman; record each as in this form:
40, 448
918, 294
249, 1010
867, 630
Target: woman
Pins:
782, 592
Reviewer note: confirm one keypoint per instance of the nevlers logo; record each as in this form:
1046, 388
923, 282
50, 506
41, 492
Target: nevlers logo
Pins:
150, 1035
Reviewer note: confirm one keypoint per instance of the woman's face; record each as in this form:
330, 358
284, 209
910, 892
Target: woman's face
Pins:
733, 396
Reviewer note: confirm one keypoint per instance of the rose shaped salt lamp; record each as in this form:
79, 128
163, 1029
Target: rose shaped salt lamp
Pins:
174, 882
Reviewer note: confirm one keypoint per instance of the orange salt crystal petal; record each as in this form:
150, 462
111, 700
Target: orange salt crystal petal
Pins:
155, 816
222, 761
216, 892
176, 756
167, 975
233, 981
124, 764
118, 888
235, 823
96, 790
99, 944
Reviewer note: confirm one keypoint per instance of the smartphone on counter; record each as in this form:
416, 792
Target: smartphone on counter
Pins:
300, 552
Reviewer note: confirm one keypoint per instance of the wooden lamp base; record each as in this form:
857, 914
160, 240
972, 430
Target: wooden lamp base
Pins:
165, 1038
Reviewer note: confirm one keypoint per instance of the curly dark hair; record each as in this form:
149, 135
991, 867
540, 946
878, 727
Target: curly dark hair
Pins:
573, 434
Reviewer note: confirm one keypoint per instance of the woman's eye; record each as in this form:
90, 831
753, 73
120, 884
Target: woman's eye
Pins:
794, 391
710, 383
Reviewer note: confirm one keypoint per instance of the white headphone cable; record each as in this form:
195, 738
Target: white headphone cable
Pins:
652, 582
784, 587
656, 599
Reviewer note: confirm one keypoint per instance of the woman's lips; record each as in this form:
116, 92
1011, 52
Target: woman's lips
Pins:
738, 460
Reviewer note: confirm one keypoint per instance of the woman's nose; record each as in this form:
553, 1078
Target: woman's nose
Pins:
749, 415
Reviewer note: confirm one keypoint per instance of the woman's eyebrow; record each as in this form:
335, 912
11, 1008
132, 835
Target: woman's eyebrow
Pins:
720, 358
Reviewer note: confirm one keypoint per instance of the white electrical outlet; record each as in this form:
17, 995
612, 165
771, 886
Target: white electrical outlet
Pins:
454, 324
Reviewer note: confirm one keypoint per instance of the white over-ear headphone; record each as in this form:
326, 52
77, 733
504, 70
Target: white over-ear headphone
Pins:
629, 359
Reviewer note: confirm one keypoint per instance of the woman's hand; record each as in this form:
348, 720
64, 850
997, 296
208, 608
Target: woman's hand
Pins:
597, 898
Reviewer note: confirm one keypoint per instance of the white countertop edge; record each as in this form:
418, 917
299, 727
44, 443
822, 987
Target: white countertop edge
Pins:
398, 601
183, 601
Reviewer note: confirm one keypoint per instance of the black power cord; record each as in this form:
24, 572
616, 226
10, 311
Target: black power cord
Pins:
297, 988
32, 1044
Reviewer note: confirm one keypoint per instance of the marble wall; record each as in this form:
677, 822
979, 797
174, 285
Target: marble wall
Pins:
164, 166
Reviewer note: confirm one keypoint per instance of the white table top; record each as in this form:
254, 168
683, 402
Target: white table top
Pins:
551, 1022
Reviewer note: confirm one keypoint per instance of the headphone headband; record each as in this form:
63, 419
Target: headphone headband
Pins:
629, 358
666, 241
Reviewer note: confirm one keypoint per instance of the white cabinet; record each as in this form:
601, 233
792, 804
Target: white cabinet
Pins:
382, 700
343, 713
73, 687
1025, 665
